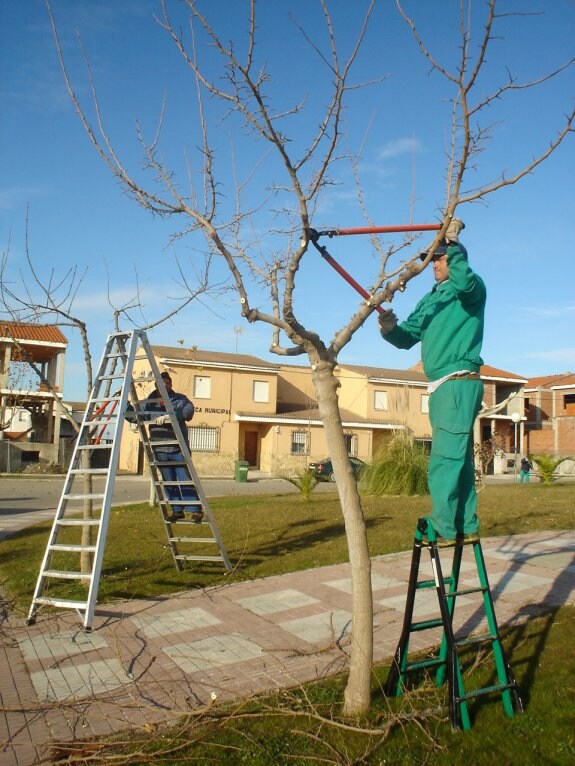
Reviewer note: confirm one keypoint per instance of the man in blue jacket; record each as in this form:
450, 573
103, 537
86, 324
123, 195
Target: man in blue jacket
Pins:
448, 322
161, 430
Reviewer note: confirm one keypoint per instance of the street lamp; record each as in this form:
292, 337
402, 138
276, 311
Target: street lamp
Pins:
515, 417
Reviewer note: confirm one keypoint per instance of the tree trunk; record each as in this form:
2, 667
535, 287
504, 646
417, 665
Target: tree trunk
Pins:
358, 689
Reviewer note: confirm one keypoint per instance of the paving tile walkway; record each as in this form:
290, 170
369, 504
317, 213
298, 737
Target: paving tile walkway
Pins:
148, 661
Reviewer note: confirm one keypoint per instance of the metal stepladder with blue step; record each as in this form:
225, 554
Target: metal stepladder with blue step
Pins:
72, 564
447, 662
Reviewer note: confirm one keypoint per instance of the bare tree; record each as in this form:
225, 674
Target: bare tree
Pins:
244, 91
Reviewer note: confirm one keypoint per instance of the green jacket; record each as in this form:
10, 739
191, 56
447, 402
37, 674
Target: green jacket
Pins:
448, 321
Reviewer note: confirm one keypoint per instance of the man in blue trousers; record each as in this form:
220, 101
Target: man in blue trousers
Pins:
174, 467
448, 322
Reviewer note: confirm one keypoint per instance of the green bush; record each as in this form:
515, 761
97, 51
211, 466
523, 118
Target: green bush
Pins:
305, 482
547, 466
399, 468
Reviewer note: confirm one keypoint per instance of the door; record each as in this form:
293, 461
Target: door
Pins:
251, 447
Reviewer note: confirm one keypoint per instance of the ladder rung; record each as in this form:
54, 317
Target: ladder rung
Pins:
485, 690
466, 592
90, 471
428, 663
72, 548
169, 483
426, 625
63, 575
92, 496
94, 446
78, 522
65, 603
181, 557
192, 540
431, 583
476, 639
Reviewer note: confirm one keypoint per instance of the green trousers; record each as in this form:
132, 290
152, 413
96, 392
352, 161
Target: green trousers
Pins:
452, 412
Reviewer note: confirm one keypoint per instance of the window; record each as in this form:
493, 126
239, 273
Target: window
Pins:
425, 403
351, 444
204, 439
380, 400
261, 391
299, 443
202, 387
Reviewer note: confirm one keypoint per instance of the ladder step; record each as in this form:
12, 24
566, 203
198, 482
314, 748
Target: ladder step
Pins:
94, 446
193, 540
63, 603
431, 662
92, 496
426, 625
169, 483
496, 688
89, 471
63, 575
466, 592
470, 640
72, 548
431, 583
182, 557
78, 522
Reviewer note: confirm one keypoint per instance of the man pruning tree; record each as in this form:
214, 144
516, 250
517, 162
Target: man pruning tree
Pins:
449, 323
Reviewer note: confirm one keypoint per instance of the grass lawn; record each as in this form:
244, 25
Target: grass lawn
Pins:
268, 535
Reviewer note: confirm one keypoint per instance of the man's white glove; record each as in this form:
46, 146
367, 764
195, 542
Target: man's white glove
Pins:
162, 420
452, 233
387, 321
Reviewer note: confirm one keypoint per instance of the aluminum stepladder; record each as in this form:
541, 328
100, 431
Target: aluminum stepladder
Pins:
447, 662
81, 522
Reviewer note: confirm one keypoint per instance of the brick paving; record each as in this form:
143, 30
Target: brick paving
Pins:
147, 662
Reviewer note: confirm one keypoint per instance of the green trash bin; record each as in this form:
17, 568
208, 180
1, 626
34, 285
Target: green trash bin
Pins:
241, 470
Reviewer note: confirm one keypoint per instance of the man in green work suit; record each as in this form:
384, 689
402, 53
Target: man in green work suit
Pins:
449, 323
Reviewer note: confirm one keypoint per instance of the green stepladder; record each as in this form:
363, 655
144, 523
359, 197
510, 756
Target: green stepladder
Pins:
446, 663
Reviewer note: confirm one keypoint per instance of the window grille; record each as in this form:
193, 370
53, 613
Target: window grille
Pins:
204, 439
299, 443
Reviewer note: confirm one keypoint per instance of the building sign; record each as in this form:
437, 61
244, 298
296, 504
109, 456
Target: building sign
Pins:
212, 411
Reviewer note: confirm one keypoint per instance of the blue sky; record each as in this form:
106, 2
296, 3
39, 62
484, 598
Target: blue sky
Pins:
520, 240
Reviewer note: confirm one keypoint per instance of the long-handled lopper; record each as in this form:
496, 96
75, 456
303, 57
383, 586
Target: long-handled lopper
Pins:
315, 235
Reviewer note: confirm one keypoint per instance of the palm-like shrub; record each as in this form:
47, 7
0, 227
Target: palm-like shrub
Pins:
547, 466
399, 468
305, 482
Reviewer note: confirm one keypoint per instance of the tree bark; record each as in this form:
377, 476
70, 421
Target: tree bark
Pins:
358, 690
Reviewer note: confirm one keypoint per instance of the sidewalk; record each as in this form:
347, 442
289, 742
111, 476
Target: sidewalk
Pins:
147, 662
